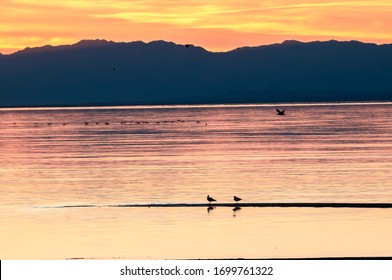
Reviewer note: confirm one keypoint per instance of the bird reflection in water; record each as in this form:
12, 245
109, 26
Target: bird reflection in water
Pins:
210, 208
235, 210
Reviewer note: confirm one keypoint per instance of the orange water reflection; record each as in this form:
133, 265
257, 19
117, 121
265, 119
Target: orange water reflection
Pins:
193, 233
344, 154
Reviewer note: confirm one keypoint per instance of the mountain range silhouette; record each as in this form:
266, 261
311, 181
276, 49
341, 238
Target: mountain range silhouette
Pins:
100, 72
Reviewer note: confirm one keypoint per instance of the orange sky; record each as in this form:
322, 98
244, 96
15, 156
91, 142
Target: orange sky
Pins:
217, 25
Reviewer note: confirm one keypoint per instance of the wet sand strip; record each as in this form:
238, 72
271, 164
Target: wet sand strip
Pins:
264, 204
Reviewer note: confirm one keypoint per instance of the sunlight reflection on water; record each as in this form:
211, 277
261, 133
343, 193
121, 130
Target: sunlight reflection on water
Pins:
329, 153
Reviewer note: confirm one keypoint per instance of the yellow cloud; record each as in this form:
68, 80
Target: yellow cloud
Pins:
211, 21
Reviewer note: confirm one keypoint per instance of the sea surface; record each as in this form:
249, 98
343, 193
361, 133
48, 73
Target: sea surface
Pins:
55, 158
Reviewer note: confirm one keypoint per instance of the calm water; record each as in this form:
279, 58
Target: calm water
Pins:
316, 153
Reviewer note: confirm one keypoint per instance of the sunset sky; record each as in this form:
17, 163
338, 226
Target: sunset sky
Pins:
216, 25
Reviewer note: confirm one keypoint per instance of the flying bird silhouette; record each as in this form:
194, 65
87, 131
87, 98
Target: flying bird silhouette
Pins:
280, 113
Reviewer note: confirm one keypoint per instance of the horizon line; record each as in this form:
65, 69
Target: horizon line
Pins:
215, 105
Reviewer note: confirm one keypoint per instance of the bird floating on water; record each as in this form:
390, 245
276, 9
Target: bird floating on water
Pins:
210, 199
280, 113
236, 198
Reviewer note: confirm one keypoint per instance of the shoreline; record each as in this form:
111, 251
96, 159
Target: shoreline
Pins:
239, 205
196, 105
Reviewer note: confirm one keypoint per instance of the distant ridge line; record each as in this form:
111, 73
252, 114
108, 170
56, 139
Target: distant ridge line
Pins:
90, 43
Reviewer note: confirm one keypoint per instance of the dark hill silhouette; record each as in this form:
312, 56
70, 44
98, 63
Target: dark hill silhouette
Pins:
99, 72
79, 45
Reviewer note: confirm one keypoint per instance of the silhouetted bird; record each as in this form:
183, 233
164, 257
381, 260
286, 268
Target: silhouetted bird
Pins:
236, 198
280, 113
210, 199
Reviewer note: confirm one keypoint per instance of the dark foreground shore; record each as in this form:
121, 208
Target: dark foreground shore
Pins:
241, 205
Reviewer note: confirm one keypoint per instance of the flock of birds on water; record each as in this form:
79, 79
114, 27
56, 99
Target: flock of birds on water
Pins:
211, 199
121, 122
279, 113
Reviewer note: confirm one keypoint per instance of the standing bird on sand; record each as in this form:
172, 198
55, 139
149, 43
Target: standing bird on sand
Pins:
236, 198
210, 199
